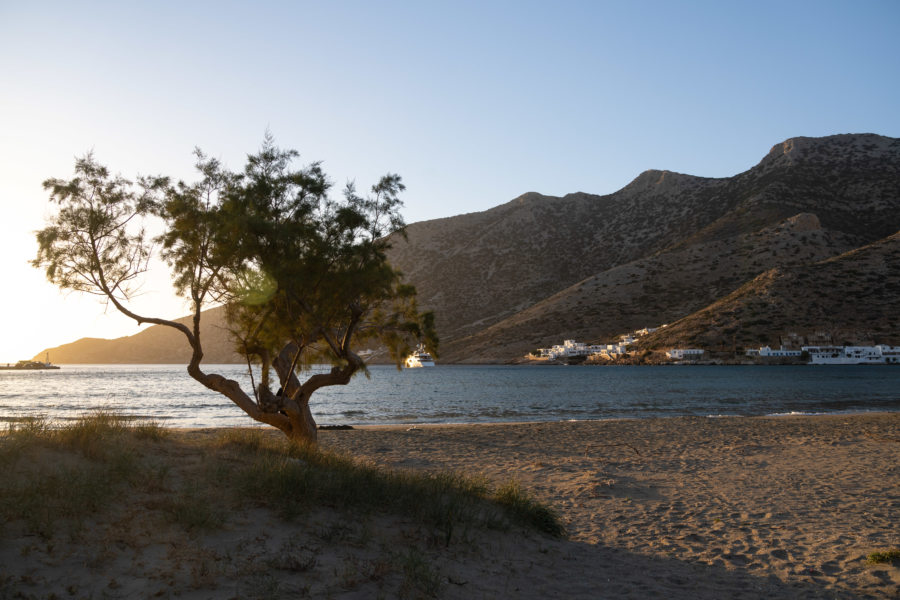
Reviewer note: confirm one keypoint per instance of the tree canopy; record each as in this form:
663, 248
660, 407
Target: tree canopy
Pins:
304, 278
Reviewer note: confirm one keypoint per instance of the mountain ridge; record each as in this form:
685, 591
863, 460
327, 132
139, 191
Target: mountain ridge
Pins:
796, 176
538, 268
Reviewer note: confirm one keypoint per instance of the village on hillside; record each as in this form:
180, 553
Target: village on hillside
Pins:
624, 351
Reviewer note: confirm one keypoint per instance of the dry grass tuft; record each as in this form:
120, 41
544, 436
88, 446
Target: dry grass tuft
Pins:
98, 462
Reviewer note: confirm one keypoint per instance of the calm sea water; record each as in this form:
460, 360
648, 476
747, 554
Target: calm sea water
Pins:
463, 394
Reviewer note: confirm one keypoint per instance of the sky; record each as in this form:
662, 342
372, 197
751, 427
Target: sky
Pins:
472, 103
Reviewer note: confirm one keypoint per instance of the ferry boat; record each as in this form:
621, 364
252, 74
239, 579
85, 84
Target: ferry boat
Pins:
30, 365
419, 358
853, 355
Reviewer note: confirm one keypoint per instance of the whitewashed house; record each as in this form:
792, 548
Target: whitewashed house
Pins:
682, 353
610, 351
766, 351
570, 348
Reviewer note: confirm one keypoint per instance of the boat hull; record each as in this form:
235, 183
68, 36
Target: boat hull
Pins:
415, 363
29, 367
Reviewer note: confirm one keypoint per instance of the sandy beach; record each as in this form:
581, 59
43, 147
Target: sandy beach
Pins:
786, 507
686, 507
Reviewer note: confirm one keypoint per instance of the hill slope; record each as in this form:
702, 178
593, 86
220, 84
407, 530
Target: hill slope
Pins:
655, 290
156, 344
813, 301
539, 269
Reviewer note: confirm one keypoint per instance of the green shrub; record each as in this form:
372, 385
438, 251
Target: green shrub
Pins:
891, 556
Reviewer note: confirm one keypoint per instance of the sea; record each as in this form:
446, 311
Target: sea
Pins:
462, 394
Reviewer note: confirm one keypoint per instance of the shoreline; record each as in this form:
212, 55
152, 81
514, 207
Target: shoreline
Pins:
9, 420
412, 425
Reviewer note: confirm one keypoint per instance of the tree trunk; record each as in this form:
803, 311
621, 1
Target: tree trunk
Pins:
288, 411
303, 425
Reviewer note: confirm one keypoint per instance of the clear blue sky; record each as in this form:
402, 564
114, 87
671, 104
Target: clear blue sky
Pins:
473, 103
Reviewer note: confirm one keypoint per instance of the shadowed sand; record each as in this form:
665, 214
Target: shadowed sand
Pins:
678, 508
784, 506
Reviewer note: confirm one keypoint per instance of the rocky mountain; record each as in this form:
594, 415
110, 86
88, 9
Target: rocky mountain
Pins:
666, 248
659, 289
540, 269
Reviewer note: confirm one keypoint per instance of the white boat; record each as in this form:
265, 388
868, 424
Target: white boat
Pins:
419, 358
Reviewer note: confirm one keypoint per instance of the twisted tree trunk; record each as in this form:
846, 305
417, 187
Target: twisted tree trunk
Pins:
296, 405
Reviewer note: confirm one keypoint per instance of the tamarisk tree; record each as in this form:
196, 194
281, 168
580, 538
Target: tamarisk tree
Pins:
304, 278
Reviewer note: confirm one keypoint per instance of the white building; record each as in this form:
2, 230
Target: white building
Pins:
766, 351
611, 351
682, 353
570, 348
853, 355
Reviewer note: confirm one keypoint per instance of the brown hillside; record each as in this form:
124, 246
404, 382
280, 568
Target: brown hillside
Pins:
477, 269
652, 291
848, 299
680, 241
155, 344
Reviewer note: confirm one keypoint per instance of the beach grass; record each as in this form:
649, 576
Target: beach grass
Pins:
292, 478
64, 475
891, 556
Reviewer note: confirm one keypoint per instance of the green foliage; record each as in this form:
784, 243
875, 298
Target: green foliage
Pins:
304, 277
891, 556
91, 434
92, 244
27, 429
306, 268
194, 230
